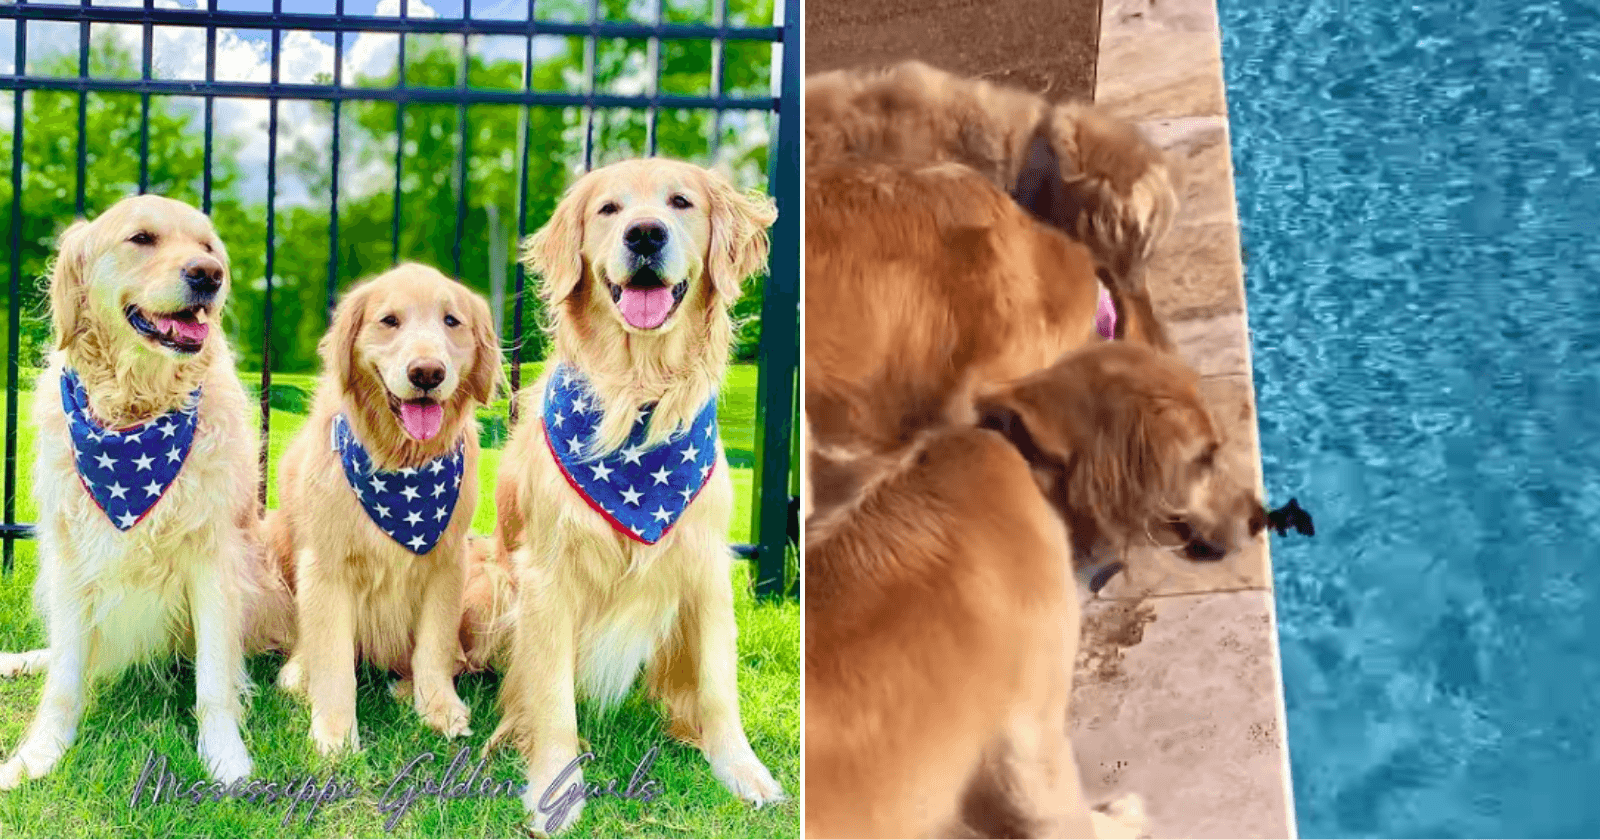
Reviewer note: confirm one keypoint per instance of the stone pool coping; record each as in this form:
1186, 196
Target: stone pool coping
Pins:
1178, 691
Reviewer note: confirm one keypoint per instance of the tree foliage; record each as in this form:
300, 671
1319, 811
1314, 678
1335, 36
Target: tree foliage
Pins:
431, 177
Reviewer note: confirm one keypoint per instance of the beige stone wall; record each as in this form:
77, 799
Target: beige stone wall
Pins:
1178, 694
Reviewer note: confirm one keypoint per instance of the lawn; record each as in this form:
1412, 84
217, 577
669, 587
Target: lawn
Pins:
149, 712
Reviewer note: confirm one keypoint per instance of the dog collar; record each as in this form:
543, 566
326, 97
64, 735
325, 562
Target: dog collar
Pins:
412, 505
640, 490
127, 471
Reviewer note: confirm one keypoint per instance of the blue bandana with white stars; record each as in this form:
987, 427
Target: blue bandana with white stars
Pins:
412, 505
127, 471
640, 490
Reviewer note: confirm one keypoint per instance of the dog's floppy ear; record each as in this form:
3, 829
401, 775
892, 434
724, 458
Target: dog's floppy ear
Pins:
487, 375
739, 223
338, 346
555, 251
68, 292
1123, 474
1041, 188
1004, 411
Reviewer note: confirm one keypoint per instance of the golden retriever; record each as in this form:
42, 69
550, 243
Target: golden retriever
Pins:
918, 277
640, 263
377, 493
145, 477
1073, 165
941, 619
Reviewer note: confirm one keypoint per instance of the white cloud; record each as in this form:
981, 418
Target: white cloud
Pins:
245, 56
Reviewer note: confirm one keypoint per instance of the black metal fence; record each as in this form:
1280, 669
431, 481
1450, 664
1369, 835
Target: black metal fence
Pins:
778, 354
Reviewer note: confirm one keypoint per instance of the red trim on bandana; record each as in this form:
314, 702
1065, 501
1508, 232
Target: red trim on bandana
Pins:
550, 446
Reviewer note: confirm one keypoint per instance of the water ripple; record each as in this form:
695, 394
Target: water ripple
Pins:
1417, 189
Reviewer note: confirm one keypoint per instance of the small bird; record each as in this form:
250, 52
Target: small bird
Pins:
1293, 516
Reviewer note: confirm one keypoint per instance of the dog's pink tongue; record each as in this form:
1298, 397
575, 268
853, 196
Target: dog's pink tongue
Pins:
646, 308
192, 331
422, 421
1105, 316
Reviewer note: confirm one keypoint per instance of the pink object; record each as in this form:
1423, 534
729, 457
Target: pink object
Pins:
1105, 317
422, 420
646, 308
193, 331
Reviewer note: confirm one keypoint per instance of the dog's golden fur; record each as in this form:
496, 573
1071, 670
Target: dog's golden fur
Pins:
592, 605
919, 278
941, 621
176, 580
358, 593
1075, 166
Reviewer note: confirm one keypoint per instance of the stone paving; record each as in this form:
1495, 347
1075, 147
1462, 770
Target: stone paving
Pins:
1177, 694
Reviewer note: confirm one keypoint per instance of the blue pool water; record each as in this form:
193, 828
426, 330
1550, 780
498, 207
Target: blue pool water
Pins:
1420, 203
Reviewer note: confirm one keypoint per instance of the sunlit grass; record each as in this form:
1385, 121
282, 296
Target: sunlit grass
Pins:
150, 711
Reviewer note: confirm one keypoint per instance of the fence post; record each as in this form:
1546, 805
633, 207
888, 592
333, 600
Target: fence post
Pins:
780, 330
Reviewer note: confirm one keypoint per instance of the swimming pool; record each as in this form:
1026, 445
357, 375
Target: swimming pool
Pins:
1418, 198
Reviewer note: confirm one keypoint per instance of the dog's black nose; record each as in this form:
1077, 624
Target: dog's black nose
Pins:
426, 373
204, 275
645, 238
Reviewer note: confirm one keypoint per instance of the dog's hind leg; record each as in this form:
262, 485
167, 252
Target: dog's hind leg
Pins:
24, 664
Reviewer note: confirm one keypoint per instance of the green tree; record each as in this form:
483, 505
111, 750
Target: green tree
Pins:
431, 182
49, 121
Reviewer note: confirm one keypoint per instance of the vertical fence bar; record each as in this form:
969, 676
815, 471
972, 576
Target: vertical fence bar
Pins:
463, 149
591, 60
81, 199
266, 299
717, 46
210, 115
522, 223
780, 332
144, 99
399, 134
14, 306
654, 59
779, 353
333, 193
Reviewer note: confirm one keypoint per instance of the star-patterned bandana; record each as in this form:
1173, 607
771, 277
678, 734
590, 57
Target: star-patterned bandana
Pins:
127, 471
412, 505
641, 491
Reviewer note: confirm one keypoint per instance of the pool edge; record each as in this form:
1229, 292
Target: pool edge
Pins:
1161, 66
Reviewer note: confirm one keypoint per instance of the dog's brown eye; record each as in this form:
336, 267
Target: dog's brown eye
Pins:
1207, 458
390, 321
143, 237
207, 246
609, 208
681, 203
451, 321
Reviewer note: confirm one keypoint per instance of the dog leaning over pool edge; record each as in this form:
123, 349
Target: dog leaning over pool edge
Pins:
615, 498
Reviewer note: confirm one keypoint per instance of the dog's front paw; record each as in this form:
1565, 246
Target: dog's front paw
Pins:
334, 734
445, 713
747, 778
554, 798
224, 755
12, 774
1122, 818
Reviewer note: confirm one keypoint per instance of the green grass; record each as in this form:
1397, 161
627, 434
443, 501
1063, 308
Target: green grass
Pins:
151, 710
